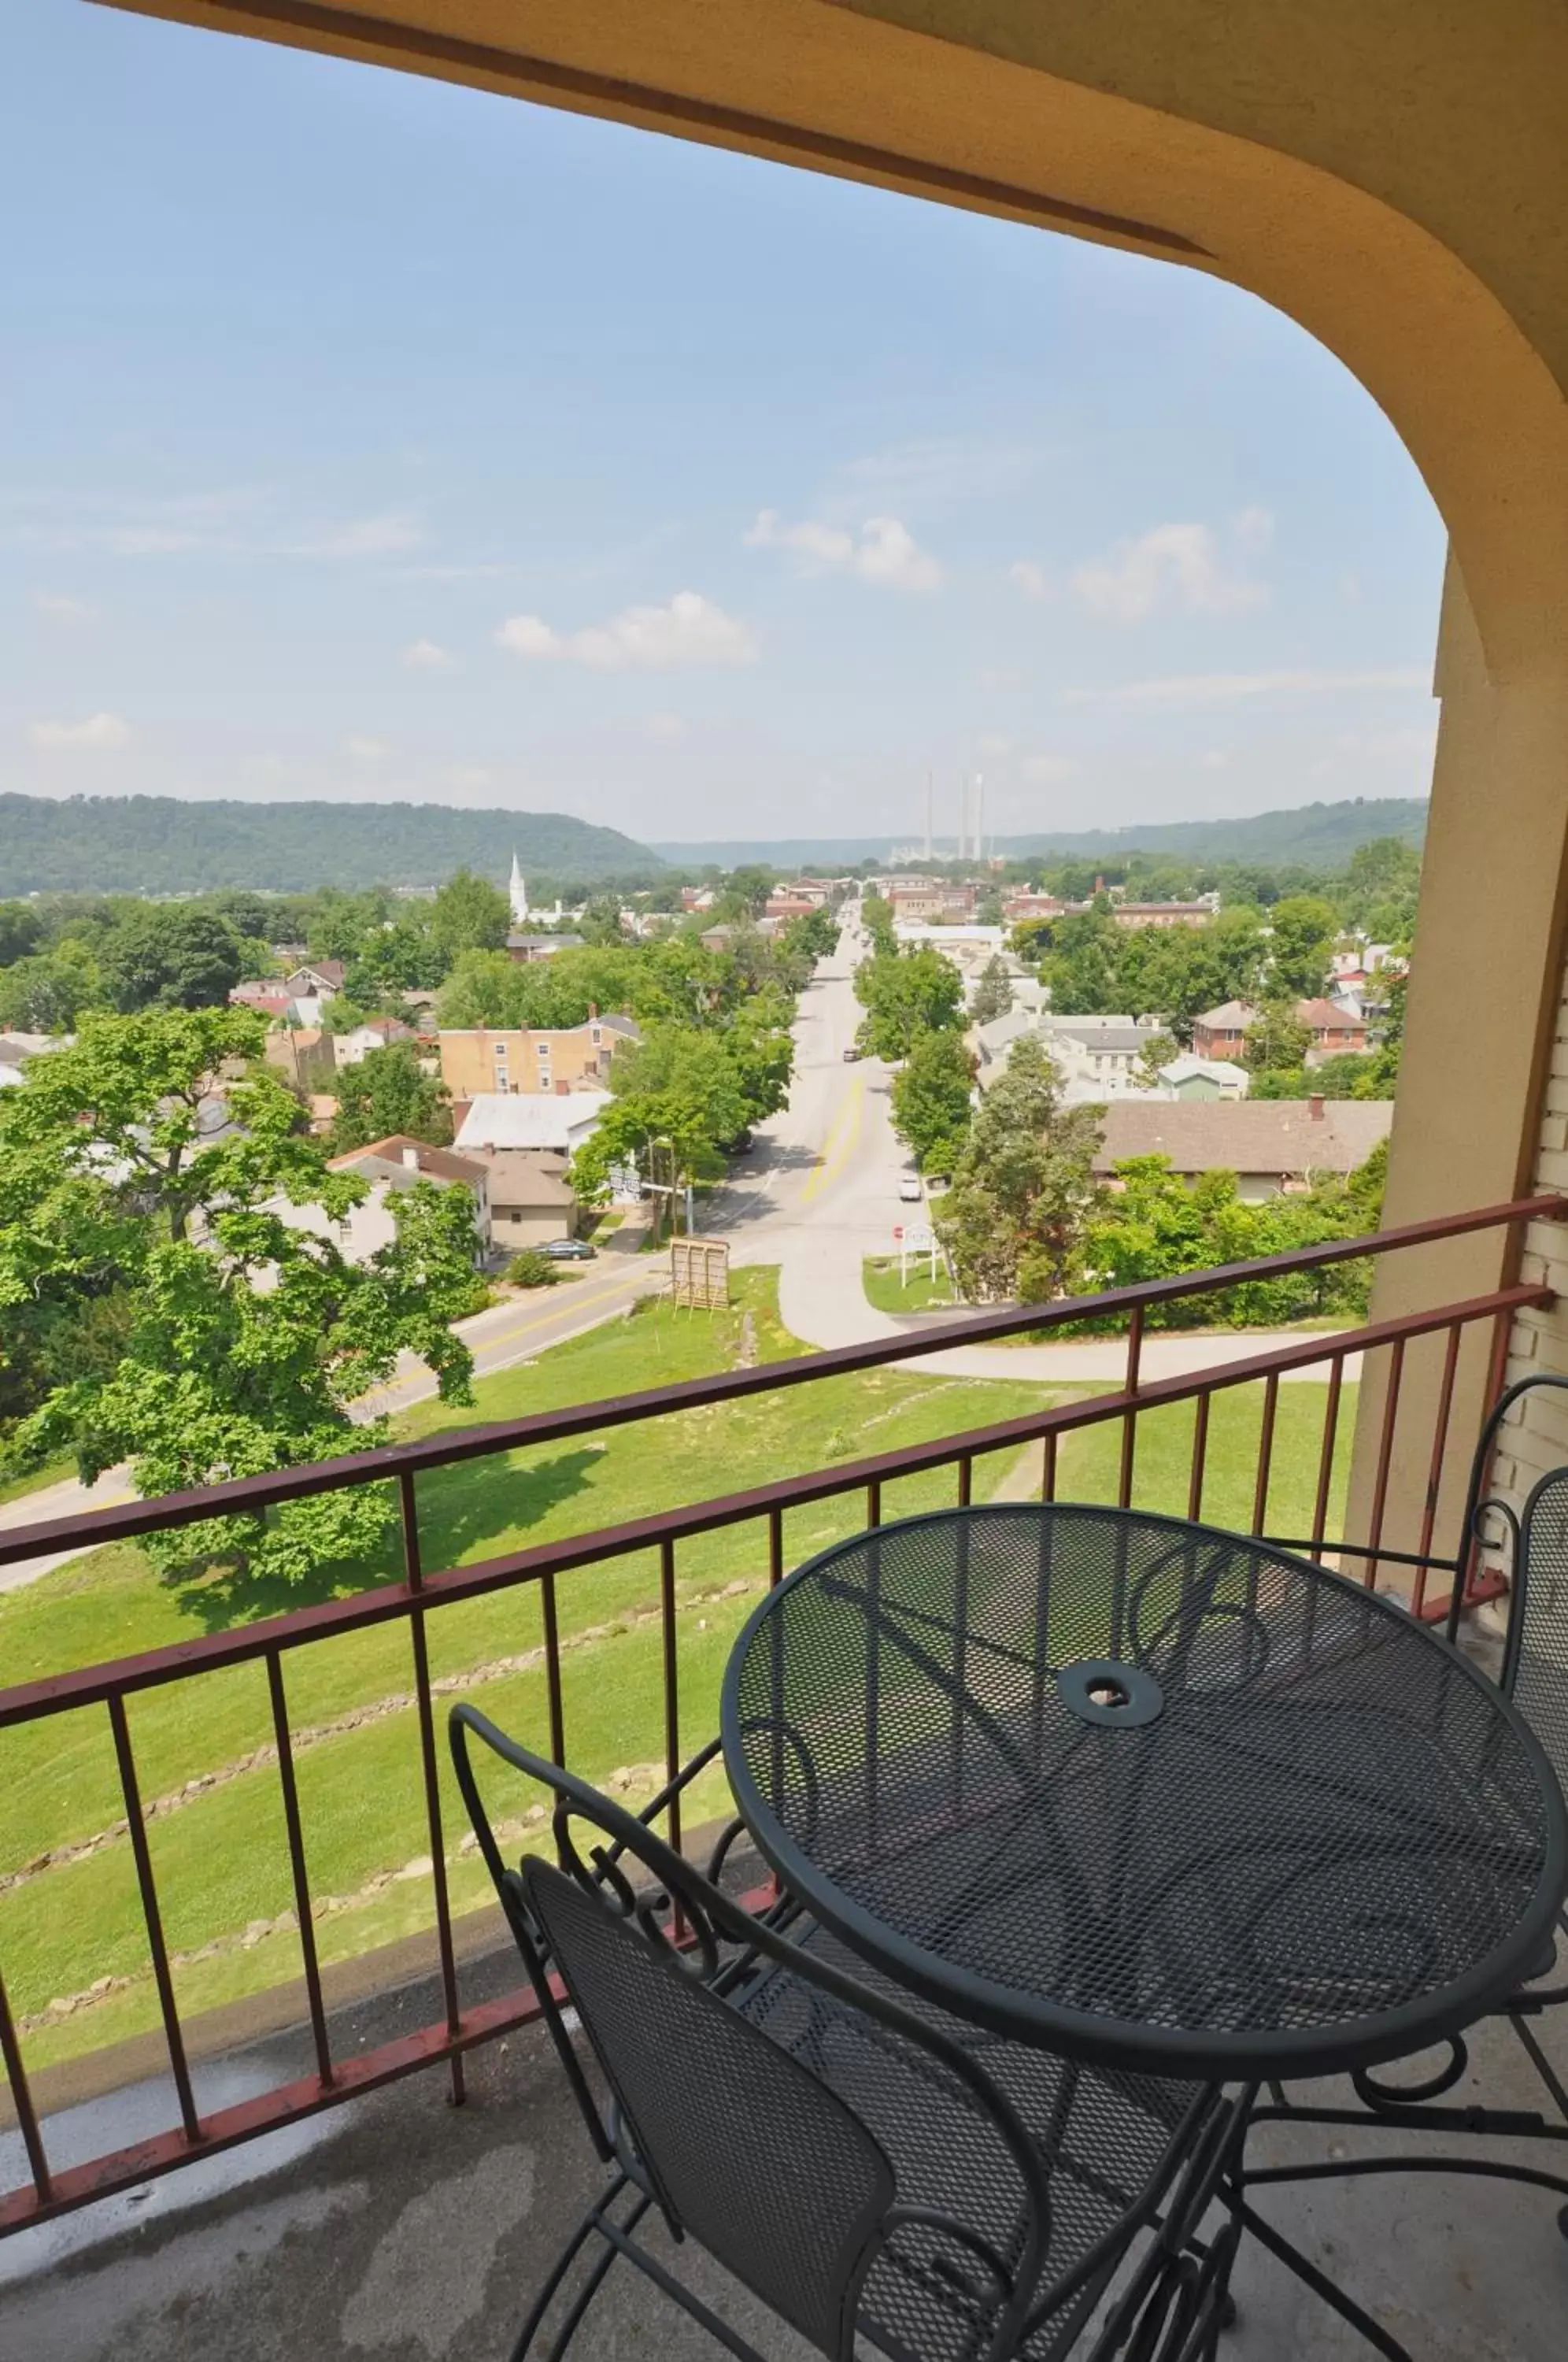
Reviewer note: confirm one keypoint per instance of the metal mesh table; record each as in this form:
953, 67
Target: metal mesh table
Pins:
1145, 1792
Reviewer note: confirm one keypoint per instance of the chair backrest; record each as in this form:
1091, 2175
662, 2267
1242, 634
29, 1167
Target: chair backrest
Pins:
739, 2143
743, 2146
1535, 1667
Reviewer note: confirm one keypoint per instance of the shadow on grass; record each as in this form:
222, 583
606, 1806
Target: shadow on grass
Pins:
460, 1509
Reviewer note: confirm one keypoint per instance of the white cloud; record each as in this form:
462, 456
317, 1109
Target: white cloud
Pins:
689, 631
101, 730
1174, 566
1044, 769
424, 656
1227, 688
884, 551
366, 750
666, 725
372, 537
1031, 581
61, 607
992, 742
931, 473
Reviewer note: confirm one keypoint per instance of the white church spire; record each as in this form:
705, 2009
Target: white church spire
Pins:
519, 893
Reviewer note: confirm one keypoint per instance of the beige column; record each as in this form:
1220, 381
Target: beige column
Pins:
1481, 1114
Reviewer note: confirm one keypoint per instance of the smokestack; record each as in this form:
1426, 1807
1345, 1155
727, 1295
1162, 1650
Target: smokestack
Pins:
963, 812
928, 815
980, 816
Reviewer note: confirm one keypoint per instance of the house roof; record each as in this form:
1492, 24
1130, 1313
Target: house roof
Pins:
1326, 1015
329, 970
434, 1163
1000, 1032
393, 1028
1224, 1071
521, 1176
1119, 1036
530, 1120
1231, 1017
527, 942
1271, 1136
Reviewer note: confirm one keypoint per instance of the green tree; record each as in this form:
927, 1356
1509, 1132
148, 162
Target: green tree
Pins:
1013, 1220
1152, 1059
904, 993
469, 914
931, 1099
993, 994
876, 917
21, 931
161, 955
248, 1340
47, 992
677, 1085
1275, 1044
386, 1093
1304, 931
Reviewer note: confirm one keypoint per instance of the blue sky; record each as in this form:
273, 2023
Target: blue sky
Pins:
363, 437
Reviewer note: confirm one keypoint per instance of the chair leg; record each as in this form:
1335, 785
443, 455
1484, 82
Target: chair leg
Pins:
563, 2264
1540, 2062
1321, 2286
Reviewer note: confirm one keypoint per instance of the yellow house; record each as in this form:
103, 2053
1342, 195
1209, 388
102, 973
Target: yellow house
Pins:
476, 1059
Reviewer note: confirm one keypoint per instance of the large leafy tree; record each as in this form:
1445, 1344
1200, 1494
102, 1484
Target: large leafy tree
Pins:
164, 956
1013, 1220
904, 993
1276, 1042
679, 1090
21, 931
469, 914
389, 1092
46, 992
931, 1099
243, 1340
1304, 928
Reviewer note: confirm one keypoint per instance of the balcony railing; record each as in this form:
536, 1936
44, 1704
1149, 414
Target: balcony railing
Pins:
421, 1593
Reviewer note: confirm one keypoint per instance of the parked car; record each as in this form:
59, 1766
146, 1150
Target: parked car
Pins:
910, 1191
739, 1144
569, 1250
852, 1053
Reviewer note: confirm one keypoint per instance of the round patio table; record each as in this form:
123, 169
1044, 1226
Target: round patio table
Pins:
1145, 1792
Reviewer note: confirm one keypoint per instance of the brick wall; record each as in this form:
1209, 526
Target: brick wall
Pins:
1535, 1435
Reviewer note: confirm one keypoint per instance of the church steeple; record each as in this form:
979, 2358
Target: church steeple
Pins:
519, 893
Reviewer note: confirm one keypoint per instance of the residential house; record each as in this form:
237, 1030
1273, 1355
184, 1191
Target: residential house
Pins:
1205, 1078
530, 1199
504, 1120
1111, 1046
1166, 914
506, 1059
932, 902
1096, 1057
1332, 1029
717, 939
314, 979
1018, 908
1222, 1032
525, 948
16, 1049
303, 1055
1269, 1144
787, 905
376, 1033
391, 1166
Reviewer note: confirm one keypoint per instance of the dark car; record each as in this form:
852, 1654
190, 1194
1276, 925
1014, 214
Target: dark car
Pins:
852, 1053
739, 1146
569, 1250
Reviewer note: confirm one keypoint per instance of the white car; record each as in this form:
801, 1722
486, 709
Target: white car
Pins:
910, 1190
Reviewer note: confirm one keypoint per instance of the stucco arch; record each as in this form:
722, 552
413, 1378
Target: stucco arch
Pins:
1391, 174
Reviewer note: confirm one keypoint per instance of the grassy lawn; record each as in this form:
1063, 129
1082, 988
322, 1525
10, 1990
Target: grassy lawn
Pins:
219, 1852
218, 1847
919, 1292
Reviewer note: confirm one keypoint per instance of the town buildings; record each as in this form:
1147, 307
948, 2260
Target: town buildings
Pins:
1271, 1145
532, 1060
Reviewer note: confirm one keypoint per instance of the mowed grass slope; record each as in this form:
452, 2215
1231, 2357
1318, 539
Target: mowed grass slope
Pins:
217, 1840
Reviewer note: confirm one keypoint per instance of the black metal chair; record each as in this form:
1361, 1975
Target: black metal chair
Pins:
1534, 1673
865, 2166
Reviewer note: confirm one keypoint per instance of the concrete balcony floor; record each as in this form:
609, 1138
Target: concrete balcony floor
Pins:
405, 2230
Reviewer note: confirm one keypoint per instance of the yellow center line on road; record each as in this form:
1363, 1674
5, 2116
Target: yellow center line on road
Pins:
575, 1302
843, 1134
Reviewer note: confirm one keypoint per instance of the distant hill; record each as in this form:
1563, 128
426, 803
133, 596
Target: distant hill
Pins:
161, 844
1322, 834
